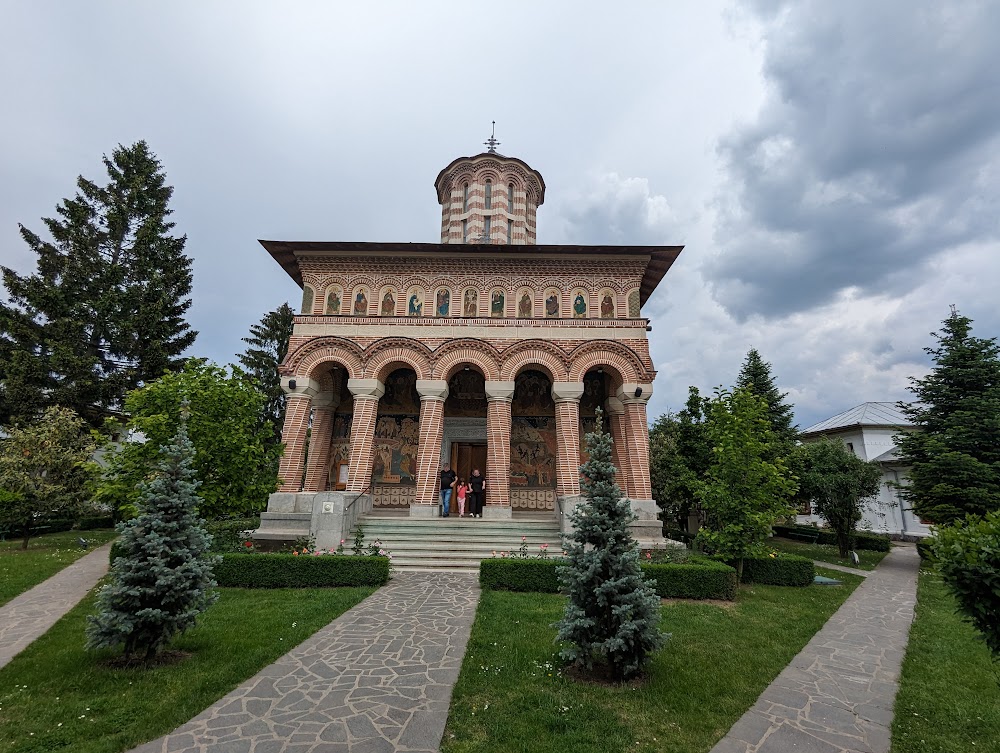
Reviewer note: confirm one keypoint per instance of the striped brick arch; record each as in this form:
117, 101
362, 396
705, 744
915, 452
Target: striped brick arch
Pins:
384, 356
306, 359
608, 354
534, 354
456, 354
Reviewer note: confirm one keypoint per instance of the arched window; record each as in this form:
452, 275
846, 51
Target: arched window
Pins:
465, 231
487, 227
510, 198
465, 199
510, 231
489, 194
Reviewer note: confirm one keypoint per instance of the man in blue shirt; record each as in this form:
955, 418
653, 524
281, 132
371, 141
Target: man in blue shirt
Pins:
447, 483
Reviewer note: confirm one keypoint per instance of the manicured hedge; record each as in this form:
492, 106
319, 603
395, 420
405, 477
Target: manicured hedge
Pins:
873, 542
291, 571
783, 570
924, 548
303, 571
227, 535
703, 579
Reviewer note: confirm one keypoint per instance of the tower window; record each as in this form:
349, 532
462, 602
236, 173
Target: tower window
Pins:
486, 227
510, 231
510, 198
465, 199
465, 231
489, 194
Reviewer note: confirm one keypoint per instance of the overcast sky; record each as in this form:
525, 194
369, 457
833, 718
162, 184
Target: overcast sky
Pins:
831, 167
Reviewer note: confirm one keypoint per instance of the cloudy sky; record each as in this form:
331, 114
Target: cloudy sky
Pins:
831, 167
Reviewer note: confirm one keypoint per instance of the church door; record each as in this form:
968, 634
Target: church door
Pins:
465, 456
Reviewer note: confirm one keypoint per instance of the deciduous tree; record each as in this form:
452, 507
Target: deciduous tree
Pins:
679, 456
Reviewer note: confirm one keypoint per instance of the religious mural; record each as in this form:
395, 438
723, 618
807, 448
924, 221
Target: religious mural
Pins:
633, 305
552, 303
388, 307
470, 303
397, 430
415, 302
496, 303
361, 302
579, 304
466, 395
533, 442
607, 304
307, 300
333, 296
340, 437
524, 305
442, 302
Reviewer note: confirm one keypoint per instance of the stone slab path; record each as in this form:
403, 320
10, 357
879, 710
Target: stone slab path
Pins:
837, 695
843, 568
25, 617
377, 679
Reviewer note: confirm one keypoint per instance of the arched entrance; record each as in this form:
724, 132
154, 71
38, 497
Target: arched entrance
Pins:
397, 437
464, 442
533, 444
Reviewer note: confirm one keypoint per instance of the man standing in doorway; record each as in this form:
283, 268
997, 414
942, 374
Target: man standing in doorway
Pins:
478, 483
447, 482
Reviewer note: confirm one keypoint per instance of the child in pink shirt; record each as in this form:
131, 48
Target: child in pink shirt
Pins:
460, 490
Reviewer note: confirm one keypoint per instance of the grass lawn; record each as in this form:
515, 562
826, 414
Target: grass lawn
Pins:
949, 694
56, 696
825, 553
44, 557
511, 695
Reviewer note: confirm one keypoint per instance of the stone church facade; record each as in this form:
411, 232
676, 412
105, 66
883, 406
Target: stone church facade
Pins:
485, 350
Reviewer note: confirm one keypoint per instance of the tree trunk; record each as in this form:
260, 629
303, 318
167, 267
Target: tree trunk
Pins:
27, 535
739, 571
844, 543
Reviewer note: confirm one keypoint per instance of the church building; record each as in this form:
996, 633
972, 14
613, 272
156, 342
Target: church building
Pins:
483, 350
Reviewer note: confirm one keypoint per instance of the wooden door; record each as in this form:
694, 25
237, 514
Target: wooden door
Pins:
465, 456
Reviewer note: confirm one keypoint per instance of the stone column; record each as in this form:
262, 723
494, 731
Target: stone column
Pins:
294, 432
433, 393
366, 396
567, 398
499, 396
619, 451
634, 398
323, 405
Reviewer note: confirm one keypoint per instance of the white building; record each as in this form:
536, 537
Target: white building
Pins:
868, 430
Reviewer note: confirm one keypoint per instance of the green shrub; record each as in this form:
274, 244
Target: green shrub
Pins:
700, 579
94, 522
117, 550
302, 571
925, 548
781, 570
502, 574
863, 540
227, 535
697, 579
967, 554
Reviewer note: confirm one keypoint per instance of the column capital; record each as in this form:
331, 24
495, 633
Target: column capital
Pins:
567, 391
304, 386
432, 389
366, 388
503, 391
614, 406
326, 400
634, 392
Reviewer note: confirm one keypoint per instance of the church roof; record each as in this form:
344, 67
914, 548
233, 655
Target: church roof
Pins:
866, 414
286, 253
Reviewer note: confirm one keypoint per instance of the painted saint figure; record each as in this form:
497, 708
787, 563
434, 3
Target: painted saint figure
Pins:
333, 302
552, 304
471, 303
388, 304
579, 307
607, 307
361, 304
496, 303
443, 302
524, 306
416, 306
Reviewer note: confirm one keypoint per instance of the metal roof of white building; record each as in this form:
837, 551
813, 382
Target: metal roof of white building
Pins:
866, 414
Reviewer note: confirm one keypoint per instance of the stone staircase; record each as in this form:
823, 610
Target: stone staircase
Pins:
457, 543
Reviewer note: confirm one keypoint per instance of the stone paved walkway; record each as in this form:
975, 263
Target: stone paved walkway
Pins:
25, 617
837, 695
375, 680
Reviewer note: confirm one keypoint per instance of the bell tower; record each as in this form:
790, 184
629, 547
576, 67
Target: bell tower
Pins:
489, 198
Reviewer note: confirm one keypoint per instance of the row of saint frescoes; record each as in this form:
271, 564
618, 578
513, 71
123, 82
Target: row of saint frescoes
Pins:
360, 303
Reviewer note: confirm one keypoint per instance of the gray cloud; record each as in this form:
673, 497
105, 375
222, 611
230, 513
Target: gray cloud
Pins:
877, 150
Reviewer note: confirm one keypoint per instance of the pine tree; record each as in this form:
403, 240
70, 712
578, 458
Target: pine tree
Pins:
755, 376
954, 452
612, 613
268, 343
748, 487
162, 579
104, 312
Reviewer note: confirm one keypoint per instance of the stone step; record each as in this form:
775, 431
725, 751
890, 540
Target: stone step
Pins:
279, 534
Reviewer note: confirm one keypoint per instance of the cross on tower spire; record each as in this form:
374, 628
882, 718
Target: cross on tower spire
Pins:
492, 142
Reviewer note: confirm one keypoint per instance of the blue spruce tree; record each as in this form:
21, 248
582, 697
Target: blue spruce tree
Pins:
612, 614
162, 579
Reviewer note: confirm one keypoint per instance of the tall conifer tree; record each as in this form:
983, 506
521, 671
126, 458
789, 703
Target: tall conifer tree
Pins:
954, 453
268, 343
756, 377
104, 311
